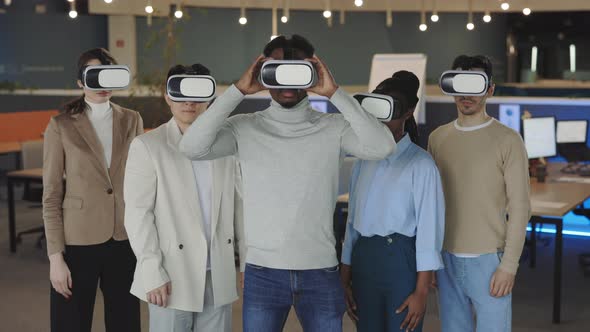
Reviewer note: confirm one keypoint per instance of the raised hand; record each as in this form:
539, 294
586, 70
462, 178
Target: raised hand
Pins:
248, 83
325, 85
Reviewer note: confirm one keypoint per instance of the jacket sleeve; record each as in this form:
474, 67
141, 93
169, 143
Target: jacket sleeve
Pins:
139, 192
53, 188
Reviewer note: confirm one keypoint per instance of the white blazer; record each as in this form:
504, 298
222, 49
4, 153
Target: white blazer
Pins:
163, 221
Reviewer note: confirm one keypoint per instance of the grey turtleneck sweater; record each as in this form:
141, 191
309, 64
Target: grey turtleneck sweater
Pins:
290, 161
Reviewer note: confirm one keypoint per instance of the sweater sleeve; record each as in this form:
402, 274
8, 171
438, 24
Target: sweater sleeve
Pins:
363, 136
211, 136
516, 176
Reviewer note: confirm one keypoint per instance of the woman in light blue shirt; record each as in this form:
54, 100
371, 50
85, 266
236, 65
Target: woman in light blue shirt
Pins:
395, 227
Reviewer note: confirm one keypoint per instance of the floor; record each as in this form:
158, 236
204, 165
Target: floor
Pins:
24, 287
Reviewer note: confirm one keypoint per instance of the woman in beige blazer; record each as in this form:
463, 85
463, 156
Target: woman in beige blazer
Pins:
84, 157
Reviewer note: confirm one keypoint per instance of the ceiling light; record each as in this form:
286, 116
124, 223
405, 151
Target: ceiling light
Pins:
243, 20
285, 17
423, 26
73, 13
470, 26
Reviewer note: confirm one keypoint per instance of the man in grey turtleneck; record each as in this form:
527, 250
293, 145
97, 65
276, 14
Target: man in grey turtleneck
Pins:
290, 157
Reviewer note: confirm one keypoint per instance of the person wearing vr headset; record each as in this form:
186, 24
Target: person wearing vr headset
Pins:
290, 157
86, 241
484, 170
180, 219
395, 224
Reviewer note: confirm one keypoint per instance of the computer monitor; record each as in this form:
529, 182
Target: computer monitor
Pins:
572, 131
539, 137
319, 105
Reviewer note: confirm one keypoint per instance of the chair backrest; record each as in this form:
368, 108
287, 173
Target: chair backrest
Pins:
32, 154
23, 126
345, 173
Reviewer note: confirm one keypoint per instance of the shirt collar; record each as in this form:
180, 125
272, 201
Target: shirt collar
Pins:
402, 146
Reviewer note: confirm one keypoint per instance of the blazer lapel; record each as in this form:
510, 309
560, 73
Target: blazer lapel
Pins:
120, 124
85, 129
185, 169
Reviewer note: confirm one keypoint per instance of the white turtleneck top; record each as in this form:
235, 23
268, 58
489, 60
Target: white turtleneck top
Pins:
290, 161
101, 118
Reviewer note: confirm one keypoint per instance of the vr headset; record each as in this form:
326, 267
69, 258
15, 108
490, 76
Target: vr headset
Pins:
383, 107
287, 74
464, 83
106, 77
187, 87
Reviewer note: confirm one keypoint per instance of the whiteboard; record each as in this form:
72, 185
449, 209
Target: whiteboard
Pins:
384, 65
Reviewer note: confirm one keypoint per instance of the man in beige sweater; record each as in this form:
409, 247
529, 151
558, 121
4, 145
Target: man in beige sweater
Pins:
484, 170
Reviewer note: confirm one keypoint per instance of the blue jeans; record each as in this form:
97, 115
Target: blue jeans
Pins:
464, 294
383, 276
316, 295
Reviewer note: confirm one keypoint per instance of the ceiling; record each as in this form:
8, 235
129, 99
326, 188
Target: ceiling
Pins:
162, 7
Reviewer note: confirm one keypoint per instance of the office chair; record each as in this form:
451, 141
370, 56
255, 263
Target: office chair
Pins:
32, 157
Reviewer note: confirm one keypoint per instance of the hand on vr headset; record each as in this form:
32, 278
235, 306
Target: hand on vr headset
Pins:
326, 85
249, 83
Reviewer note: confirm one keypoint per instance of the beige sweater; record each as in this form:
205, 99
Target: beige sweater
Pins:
485, 176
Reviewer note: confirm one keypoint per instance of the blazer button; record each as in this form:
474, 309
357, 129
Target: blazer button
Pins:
180, 246
229, 241
110, 191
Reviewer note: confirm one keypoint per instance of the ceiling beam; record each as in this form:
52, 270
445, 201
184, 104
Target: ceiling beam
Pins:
162, 7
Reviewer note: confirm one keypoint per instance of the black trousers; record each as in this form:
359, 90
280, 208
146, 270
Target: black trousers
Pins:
109, 265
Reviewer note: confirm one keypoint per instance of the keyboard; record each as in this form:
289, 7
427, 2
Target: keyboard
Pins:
573, 179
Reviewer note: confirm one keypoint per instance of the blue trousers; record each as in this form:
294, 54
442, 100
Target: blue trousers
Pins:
383, 276
269, 294
464, 292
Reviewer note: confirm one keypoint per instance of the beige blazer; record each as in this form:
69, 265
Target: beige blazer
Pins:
164, 221
89, 208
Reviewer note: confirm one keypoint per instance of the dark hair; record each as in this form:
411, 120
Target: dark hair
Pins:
78, 105
466, 62
289, 46
403, 86
195, 69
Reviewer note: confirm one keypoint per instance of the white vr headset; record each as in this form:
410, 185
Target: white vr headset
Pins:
464, 83
383, 107
106, 77
195, 88
287, 74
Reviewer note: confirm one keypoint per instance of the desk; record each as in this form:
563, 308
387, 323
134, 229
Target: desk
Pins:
550, 202
34, 175
11, 148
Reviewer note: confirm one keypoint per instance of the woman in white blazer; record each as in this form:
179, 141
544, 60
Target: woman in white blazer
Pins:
183, 219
